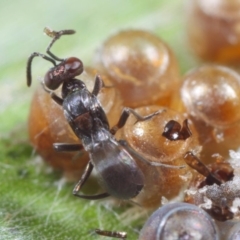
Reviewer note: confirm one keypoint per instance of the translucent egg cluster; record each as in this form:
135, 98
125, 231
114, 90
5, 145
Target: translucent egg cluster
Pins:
187, 151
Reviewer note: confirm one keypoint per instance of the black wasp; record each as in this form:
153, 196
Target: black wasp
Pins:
118, 172
113, 159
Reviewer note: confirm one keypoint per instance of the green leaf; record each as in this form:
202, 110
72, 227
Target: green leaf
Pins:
35, 203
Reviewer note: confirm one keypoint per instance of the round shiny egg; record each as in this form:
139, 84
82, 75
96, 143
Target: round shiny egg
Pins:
213, 29
141, 66
179, 221
212, 94
145, 137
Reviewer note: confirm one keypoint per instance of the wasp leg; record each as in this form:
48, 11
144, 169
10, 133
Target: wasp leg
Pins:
53, 95
67, 147
81, 182
125, 115
143, 159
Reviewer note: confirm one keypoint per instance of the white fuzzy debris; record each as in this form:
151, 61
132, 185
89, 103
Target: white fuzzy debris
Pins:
203, 190
164, 200
235, 161
207, 203
236, 205
186, 177
234, 154
190, 191
197, 150
223, 196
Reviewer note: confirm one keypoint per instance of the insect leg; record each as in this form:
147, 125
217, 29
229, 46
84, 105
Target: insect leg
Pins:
125, 115
114, 234
98, 85
53, 95
67, 147
143, 159
81, 182
200, 167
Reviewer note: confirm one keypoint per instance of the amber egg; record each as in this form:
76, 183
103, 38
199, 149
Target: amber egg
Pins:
47, 125
213, 28
212, 93
146, 139
141, 66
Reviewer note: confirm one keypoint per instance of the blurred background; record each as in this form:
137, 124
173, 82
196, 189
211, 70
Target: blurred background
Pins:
33, 203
